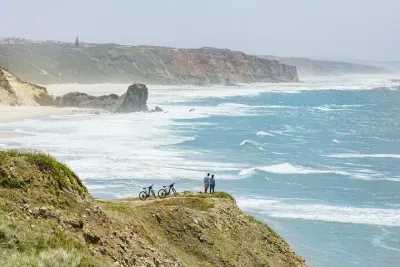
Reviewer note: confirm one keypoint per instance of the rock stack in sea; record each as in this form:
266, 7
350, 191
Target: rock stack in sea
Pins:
134, 100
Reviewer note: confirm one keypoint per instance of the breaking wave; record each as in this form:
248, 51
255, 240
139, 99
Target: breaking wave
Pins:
283, 208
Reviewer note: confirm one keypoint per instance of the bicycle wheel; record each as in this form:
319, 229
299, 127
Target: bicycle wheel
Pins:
162, 193
173, 190
143, 195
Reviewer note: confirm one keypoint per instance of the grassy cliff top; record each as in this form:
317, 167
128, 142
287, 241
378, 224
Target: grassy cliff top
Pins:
47, 218
40, 177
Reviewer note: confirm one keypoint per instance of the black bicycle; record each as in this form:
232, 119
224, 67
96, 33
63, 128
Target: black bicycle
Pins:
144, 195
162, 193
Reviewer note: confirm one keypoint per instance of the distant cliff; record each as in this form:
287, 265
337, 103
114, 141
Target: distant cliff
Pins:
61, 63
15, 92
309, 67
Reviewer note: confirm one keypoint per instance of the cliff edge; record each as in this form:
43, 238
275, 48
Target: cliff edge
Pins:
48, 218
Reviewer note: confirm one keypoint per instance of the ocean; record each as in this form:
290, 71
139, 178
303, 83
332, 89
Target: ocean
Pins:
318, 161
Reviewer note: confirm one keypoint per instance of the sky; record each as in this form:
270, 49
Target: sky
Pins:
334, 29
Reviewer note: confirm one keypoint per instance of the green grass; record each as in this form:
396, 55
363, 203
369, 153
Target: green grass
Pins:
202, 195
117, 207
194, 204
11, 182
65, 177
4, 208
21, 245
61, 176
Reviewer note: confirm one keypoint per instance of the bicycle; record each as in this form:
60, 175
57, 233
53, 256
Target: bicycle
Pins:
144, 195
162, 193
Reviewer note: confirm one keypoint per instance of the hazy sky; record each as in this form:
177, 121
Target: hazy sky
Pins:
364, 29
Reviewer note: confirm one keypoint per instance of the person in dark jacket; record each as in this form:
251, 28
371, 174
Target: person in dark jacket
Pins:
212, 184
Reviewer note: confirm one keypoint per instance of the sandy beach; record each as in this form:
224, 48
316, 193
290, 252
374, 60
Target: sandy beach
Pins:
8, 113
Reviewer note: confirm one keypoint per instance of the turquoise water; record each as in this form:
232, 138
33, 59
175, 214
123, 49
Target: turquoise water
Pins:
320, 167
326, 170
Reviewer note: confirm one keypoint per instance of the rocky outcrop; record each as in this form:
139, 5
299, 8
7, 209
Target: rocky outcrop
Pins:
15, 92
110, 63
82, 100
157, 109
134, 100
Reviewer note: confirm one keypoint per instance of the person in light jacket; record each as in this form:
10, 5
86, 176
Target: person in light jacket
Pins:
212, 184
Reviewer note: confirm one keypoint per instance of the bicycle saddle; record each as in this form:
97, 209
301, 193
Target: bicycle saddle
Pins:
148, 186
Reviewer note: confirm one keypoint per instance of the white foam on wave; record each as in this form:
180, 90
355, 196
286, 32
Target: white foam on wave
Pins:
286, 168
287, 208
263, 133
336, 141
250, 142
161, 94
122, 146
346, 156
335, 107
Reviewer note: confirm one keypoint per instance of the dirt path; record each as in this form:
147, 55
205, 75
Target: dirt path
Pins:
137, 202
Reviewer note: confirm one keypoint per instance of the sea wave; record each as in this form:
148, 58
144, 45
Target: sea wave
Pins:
262, 133
251, 143
286, 168
346, 156
286, 208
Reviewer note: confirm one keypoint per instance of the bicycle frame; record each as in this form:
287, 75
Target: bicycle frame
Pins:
149, 191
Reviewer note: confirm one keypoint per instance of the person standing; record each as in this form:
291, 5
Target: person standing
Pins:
206, 183
212, 184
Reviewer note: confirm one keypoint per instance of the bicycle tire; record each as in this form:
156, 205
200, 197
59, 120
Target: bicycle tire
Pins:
162, 193
143, 196
175, 193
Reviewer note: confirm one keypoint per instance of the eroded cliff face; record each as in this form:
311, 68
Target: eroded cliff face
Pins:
15, 92
60, 63
210, 65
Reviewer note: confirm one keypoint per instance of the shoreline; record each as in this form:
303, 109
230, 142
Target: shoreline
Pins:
11, 113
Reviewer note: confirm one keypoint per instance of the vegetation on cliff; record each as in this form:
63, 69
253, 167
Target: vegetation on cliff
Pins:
48, 218
61, 63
